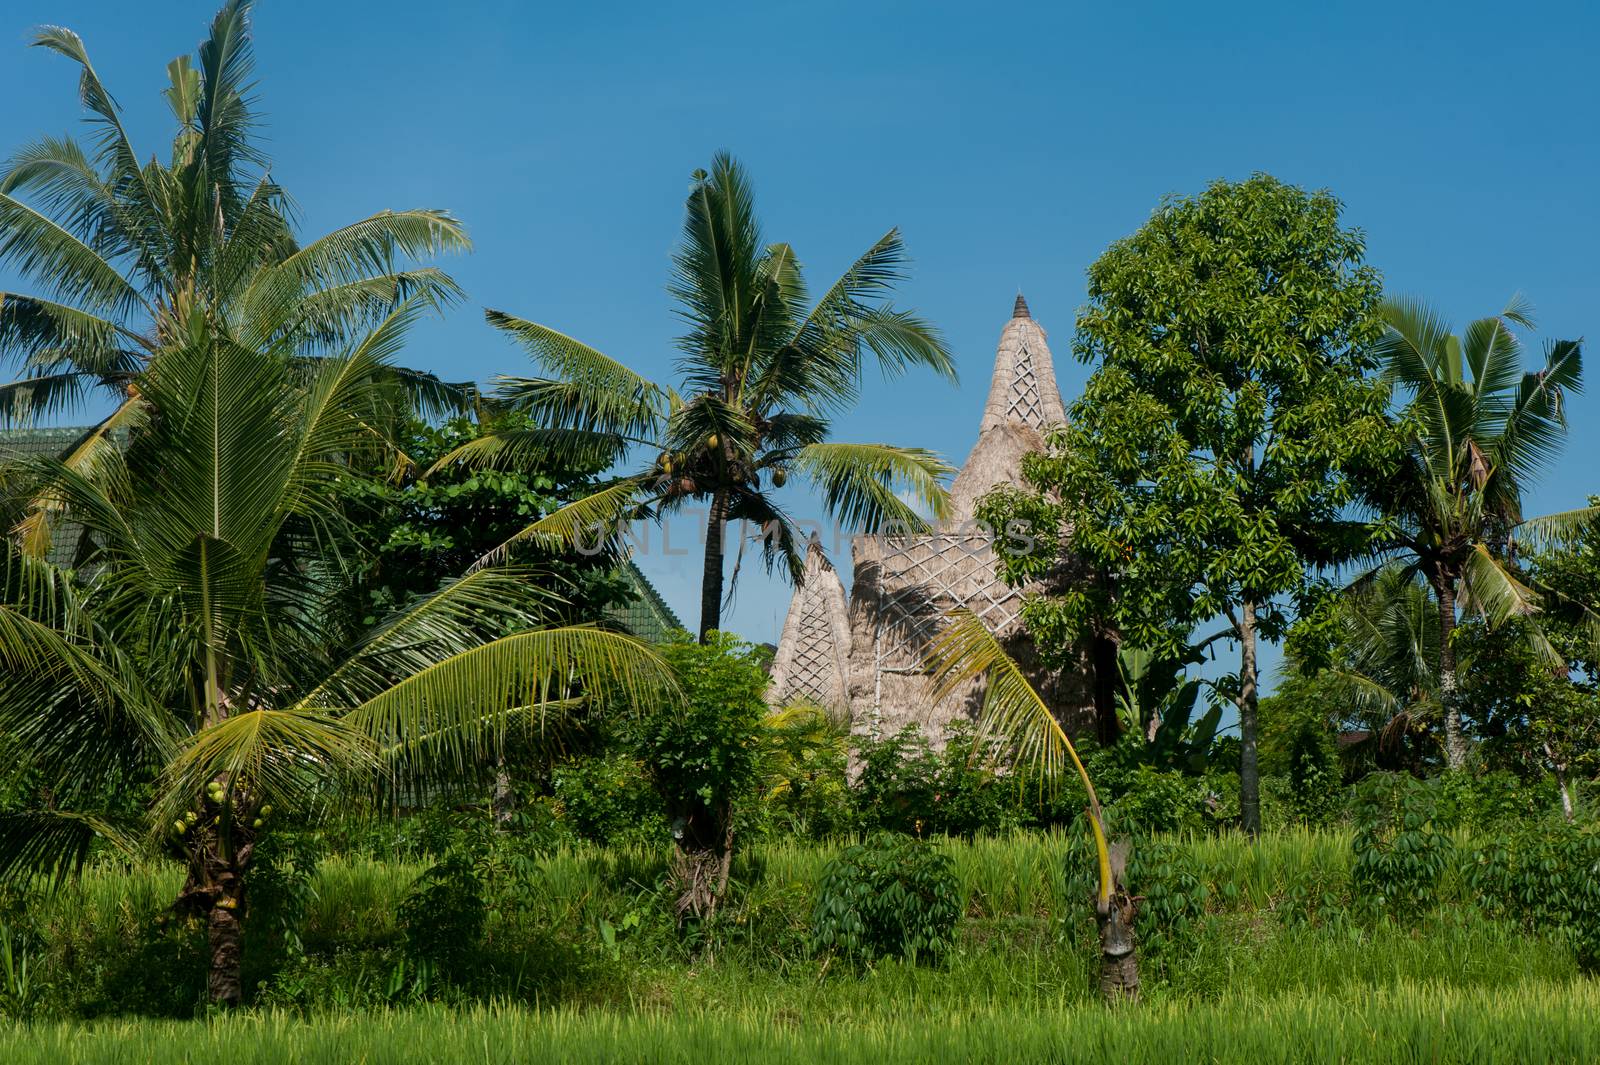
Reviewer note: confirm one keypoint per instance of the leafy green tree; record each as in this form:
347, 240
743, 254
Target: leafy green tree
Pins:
428, 526
1482, 428
1532, 685
1208, 467
704, 755
763, 370
194, 648
1536, 717
121, 253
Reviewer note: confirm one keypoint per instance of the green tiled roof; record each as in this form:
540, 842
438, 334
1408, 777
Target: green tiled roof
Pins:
648, 616
23, 443
19, 444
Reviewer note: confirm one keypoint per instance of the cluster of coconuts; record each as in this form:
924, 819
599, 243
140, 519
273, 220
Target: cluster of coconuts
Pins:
669, 460
216, 794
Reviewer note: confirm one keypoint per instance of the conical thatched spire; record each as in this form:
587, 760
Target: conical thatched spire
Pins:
813, 659
1024, 404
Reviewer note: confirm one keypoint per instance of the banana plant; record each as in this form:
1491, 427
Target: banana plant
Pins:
1157, 702
1014, 714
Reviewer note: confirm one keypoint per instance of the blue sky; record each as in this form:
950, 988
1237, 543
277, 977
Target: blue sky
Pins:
1011, 143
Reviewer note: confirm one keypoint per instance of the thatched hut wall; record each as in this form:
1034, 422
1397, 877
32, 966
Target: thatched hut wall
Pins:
813, 655
904, 586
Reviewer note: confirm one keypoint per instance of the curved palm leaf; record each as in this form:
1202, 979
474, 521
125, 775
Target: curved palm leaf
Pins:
455, 709
860, 484
1012, 712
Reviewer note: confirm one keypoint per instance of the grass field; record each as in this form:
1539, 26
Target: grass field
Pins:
1530, 1022
1256, 976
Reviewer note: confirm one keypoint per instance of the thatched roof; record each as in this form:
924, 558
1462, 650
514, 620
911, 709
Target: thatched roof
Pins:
905, 585
813, 655
1024, 404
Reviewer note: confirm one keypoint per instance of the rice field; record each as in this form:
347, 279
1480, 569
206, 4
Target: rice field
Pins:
1404, 1024
1244, 983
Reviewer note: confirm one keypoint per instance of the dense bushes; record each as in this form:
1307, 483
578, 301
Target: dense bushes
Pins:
596, 926
889, 896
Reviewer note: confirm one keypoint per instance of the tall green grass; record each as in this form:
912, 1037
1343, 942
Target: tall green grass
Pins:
1027, 942
1529, 1022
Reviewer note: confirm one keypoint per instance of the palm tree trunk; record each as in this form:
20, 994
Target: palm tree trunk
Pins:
1559, 766
1119, 960
702, 860
1119, 964
711, 576
214, 888
1455, 743
1249, 769
224, 938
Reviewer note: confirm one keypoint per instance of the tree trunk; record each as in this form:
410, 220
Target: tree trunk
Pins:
702, 861
1119, 965
711, 576
224, 935
1559, 767
214, 889
1119, 960
1455, 742
1103, 657
1249, 769
503, 798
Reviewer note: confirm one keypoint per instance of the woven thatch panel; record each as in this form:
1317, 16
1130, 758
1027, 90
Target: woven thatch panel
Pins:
813, 658
904, 586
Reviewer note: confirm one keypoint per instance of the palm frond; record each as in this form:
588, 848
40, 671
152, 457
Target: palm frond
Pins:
457, 617
1492, 590
1556, 530
374, 245
536, 449
588, 390
861, 484
54, 844
586, 525
276, 756
1013, 713
455, 708
39, 247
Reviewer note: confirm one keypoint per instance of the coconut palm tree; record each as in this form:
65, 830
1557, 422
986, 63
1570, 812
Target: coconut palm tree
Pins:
763, 369
1482, 428
198, 643
119, 252
1013, 713
1385, 656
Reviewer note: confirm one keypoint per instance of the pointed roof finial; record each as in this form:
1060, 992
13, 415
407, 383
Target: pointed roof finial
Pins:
1020, 310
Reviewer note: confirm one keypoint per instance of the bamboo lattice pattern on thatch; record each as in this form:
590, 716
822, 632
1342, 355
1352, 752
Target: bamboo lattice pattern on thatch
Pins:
814, 652
905, 586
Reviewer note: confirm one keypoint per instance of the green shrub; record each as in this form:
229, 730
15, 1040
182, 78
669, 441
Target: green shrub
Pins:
1316, 790
807, 787
1174, 902
889, 896
442, 917
907, 786
1546, 877
607, 799
1400, 852
1158, 801
278, 889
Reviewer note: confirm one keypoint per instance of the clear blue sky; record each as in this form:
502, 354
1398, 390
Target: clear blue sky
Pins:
1010, 142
